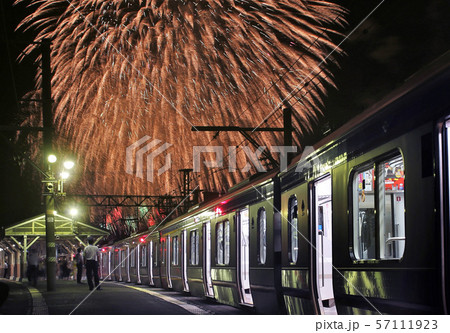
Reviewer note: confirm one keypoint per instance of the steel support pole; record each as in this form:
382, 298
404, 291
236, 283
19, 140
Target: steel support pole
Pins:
47, 117
287, 139
24, 265
50, 241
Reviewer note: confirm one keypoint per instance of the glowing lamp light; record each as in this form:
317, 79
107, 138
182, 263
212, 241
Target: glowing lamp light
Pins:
103, 250
73, 211
51, 158
142, 239
68, 165
218, 211
64, 175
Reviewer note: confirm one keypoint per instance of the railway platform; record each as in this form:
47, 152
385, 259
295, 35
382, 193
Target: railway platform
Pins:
70, 298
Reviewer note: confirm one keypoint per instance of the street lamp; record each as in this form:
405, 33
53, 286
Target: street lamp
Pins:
51, 158
68, 165
73, 212
53, 187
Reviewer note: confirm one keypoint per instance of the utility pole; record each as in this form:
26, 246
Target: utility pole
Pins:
186, 187
287, 130
287, 122
49, 196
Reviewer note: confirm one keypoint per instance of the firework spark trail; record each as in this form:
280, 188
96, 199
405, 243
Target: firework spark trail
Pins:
208, 59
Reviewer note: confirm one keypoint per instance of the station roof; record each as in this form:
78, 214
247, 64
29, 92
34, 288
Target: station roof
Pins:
64, 226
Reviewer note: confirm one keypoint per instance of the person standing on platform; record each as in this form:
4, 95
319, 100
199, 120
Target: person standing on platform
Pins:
5, 274
79, 262
90, 257
33, 264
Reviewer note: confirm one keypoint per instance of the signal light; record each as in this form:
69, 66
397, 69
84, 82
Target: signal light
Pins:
218, 211
142, 239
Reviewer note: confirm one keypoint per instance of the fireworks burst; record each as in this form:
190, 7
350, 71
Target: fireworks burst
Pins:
128, 68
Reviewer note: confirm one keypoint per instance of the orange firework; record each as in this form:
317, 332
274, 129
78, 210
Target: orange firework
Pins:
126, 69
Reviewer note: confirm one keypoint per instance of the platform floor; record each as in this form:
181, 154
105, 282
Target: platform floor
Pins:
114, 299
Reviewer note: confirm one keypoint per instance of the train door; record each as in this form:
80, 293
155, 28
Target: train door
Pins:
137, 250
110, 255
322, 215
150, 263
101, 265
209, 291
168, 262
184, 260
120, 264
128, 264
243, 252
444, 153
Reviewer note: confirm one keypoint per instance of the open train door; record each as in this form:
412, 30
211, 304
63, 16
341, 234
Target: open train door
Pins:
209, 291
243, 253
444, 188
322, 226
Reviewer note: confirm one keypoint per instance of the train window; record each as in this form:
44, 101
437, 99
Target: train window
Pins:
292, 230
194, 248
133, 257
226, 237
123, 258
262, 236
219, 240
175, 252
364, 214
379, 210
223, 243
144, 256
163, 251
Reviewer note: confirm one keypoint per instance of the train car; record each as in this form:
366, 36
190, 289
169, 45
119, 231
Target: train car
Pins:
245, 241
105, 263
357, 226
361, 228
186, 254
209, 250
123, 261
133, 251
116, 263
174, 266
148, 262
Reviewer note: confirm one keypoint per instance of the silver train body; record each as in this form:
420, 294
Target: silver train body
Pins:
358, 226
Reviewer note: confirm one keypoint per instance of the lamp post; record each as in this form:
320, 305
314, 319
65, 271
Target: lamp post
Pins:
53, 187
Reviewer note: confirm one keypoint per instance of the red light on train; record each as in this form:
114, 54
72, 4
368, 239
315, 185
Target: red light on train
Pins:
142, 239
103, 250
218, 211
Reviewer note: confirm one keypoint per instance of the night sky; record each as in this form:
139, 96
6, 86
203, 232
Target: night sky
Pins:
398, 39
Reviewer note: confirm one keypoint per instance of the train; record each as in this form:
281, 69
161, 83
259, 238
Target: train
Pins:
360, 225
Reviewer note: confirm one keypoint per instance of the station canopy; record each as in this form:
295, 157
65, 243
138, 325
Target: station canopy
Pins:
66, 229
